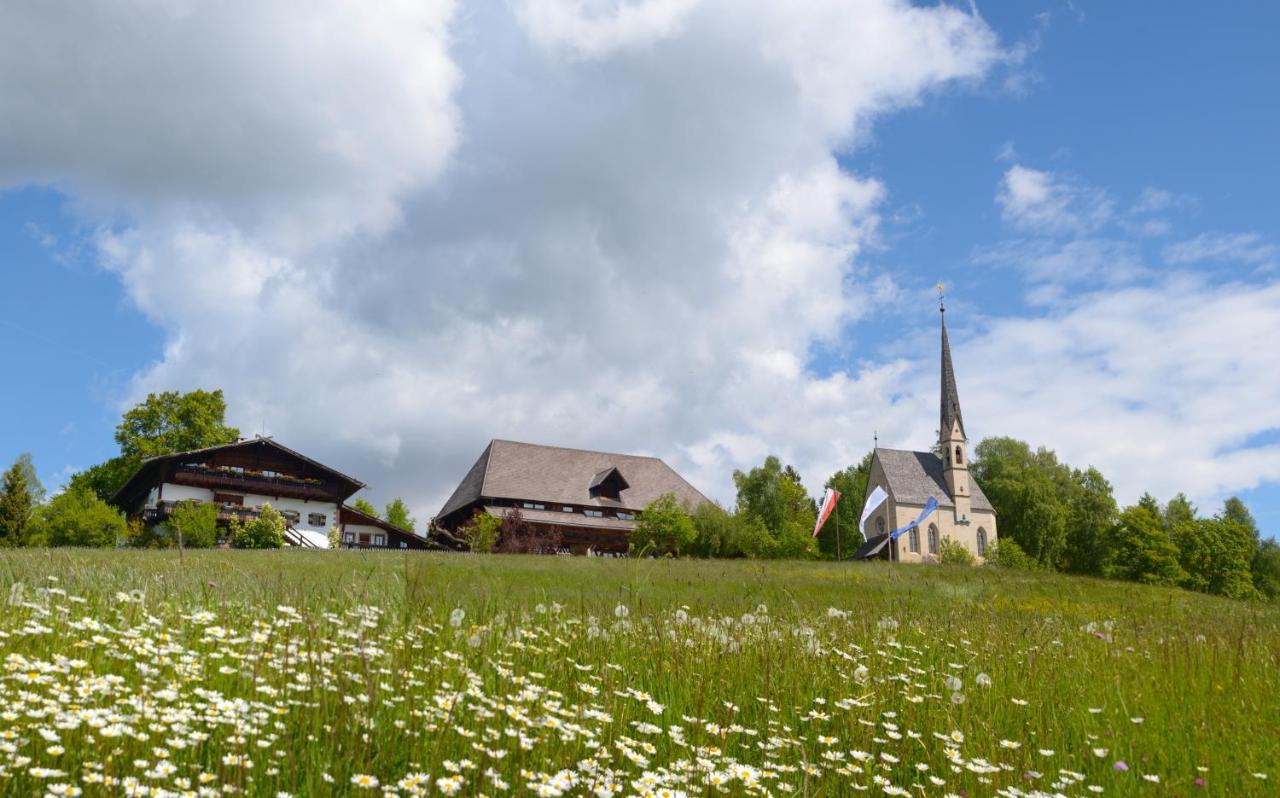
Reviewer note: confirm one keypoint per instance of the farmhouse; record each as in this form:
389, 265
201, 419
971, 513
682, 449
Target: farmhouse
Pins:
911, 478
587, 500
243, 477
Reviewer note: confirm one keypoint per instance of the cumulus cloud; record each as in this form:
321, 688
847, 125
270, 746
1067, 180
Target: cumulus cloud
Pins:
1043, 202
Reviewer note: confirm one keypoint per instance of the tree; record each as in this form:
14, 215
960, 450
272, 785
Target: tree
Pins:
852, 484
163, 423
516, 536
17, 501
264, 532
1143, 551
398, 515
366, 508
1026, 488
196, 524
1216, 554
720, 533
1090, 519
664, 528
775, 498
1178, 511
1266, 570
76, 517
481, 532
28, 468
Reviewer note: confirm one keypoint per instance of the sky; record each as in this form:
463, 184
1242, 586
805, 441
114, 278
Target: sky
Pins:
708, 230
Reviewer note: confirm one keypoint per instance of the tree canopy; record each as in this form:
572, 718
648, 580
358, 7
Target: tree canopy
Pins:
773, 496
852, 484
398, 514
664, 528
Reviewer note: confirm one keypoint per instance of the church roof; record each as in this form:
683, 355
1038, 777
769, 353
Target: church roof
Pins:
555, 475
913, 477
950, 396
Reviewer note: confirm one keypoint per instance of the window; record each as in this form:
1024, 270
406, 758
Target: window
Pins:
348, 537
317, 519
933, 539
291, 516
913, 539
959, 456
594, 513
566, 509
982, 542
379, 540
533, 506
880, 524
626, 516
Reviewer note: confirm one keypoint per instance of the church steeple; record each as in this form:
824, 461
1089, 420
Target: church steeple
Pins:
952, 441
950, 415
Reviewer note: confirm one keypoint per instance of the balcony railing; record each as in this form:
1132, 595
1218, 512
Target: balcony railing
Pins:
269, 485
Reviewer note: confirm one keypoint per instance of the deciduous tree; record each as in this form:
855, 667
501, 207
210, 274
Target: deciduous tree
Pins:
664, 528
76, 517
398, 515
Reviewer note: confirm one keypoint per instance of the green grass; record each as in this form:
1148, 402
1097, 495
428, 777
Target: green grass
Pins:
116, 678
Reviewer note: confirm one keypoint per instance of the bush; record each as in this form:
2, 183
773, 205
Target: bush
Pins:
76, 517
664, 528
481, 532
516, 536
1007, 554
953, 553
195, 524
264, 532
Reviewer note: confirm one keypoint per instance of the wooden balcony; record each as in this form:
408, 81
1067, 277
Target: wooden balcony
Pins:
261, 484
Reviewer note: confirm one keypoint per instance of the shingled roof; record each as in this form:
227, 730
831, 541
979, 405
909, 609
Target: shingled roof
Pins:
915, 476
556, 475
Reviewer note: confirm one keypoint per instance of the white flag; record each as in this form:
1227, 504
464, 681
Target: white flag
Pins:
876, 499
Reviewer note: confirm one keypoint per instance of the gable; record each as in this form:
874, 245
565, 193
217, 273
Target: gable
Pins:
913, 477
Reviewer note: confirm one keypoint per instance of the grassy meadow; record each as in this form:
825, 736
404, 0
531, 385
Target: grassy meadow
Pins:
345, 673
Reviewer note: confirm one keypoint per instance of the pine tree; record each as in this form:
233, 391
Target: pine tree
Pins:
16, 504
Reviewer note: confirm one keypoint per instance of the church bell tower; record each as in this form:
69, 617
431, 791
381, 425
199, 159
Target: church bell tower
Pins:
952, 442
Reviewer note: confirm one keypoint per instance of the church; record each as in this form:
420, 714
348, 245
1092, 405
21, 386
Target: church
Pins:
911, 479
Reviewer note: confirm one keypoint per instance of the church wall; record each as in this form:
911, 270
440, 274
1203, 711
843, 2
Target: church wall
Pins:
944, 518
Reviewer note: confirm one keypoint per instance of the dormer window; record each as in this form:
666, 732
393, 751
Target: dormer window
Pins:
608, 484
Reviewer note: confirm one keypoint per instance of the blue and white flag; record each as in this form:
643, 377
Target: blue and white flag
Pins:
929, 507
876, 499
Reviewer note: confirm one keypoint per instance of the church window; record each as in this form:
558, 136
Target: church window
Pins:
933, 539
959, 456
914, 538
982, 542
880, 524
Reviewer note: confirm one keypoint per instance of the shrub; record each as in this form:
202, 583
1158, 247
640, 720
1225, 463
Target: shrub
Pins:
195, 524
481, 532
954, 553
76, 517
264, 532
1007, 554
515, 536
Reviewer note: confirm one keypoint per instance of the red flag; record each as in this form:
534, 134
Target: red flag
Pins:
829, 500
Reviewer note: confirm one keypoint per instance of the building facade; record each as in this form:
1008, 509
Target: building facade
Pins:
910, 478
241, 478
586, 501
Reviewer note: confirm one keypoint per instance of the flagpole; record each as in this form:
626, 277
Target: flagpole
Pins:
839, 555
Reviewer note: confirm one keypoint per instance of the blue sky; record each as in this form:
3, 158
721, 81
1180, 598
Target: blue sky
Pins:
1065, 169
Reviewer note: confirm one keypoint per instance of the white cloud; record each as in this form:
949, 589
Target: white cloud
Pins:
1249, 248
1042, 202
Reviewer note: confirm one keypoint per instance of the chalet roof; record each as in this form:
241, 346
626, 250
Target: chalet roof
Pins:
153, 466
557, 475
915, 476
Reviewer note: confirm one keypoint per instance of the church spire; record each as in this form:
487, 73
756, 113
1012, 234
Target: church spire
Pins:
950, 396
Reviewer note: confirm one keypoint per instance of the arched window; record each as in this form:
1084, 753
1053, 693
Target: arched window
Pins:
982, 542
914, 537
959, 456
933, 539
880, 524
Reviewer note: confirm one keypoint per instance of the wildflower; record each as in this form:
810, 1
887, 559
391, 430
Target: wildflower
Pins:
621, 611
982, 680
456, 617
364, 781
1121, 766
